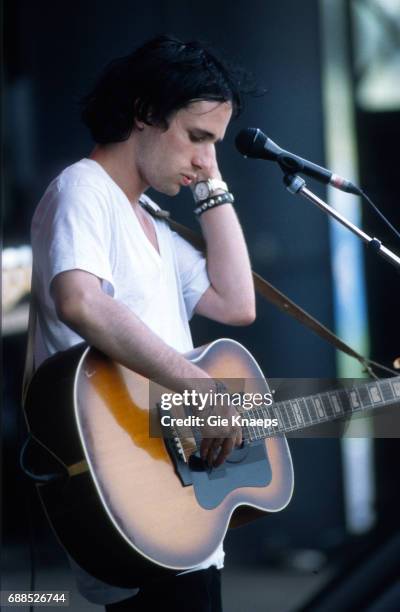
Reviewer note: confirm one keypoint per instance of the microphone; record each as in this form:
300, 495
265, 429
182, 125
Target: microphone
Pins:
252, 142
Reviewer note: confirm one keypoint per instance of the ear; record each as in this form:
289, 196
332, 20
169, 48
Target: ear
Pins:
139, 125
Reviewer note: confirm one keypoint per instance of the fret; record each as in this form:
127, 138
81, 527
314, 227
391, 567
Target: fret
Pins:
252, 429
285, 416
335, 400
314, 405
311, 410
253, 433
270, 413
364, 396
387, 391
261, 430
355, 400
277, 410
396, 387
374, 393
254, 414
319, 408
291, 415
259, 414
345, 401
277, 414
304, 411
327, 406
297, 413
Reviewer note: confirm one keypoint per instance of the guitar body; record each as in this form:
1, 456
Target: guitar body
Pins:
129, 517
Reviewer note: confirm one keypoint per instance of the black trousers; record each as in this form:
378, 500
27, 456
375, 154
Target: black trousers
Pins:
197, 591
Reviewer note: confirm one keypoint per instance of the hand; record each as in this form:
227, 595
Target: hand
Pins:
219, 433
209, 169
218, 441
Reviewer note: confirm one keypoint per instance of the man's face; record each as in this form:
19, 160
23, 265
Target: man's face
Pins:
184, 153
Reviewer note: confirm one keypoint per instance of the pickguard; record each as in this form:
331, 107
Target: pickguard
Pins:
245, 467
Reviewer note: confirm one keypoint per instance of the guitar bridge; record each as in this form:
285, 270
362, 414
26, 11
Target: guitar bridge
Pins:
179, 460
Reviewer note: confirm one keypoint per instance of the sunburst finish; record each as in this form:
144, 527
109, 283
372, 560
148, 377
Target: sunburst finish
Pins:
141, 498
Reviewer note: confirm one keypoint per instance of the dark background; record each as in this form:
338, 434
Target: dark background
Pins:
53, 51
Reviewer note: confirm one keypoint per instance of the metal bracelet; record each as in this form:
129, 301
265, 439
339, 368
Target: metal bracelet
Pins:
224, 198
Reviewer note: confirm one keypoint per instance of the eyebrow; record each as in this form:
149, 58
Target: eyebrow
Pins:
206, 134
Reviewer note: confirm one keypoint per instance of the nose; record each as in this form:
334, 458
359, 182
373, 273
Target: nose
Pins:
204, 158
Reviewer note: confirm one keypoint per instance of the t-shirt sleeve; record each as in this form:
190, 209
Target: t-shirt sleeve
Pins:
73, 232
193, 274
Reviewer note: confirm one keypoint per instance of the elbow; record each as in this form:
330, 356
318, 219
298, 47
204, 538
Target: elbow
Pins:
243, 316
71, 310
246, 318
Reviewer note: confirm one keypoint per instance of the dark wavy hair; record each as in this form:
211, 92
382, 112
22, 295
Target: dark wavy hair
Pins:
156, 80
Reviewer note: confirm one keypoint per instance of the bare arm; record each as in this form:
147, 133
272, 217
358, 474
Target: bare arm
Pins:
118, 332
114, 329
231, 298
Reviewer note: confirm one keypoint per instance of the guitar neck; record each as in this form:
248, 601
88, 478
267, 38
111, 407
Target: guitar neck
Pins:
303, 412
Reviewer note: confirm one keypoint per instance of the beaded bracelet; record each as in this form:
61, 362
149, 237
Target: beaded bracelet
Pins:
224, 198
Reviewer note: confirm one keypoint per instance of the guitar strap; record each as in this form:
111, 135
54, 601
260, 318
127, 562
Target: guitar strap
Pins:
271, 294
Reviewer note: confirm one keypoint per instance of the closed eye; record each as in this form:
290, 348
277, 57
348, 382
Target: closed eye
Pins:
195, 138
203, 136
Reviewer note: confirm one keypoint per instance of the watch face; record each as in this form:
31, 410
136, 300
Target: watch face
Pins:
201, 190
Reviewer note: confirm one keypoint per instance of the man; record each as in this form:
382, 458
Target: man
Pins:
107, 272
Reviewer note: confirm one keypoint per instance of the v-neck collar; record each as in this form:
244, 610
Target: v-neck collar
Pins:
156, 254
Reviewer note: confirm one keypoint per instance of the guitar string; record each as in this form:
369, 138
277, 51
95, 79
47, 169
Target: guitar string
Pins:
253, 433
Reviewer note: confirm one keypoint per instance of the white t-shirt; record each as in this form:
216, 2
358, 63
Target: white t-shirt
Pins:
85, 221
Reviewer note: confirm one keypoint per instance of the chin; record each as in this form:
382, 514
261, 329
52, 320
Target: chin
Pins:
168, 188
172, 190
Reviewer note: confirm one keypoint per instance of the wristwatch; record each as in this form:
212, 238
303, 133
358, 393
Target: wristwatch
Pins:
206, 189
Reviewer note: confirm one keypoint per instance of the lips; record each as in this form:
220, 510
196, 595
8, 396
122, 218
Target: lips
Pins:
187, 180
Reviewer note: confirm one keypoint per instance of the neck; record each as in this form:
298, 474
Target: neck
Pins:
303, 412
113, 159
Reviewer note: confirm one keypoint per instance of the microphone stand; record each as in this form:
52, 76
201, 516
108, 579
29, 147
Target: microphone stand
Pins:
296, 185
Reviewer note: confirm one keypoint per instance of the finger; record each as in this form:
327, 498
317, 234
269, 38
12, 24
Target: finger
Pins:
205, 447
225, 450
213, 450
208, 447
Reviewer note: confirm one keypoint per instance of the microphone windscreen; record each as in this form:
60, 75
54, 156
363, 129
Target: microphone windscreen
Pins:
244, 141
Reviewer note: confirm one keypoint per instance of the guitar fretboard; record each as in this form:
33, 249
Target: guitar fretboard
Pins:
299, 413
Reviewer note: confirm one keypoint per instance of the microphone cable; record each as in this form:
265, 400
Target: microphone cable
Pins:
379, 213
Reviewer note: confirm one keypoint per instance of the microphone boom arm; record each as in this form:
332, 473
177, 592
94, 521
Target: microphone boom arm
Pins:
296, 185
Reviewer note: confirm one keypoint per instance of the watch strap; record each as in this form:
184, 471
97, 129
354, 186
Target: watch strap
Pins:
212, 185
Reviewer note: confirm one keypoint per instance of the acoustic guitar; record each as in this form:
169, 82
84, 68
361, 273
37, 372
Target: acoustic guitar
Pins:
128, 506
